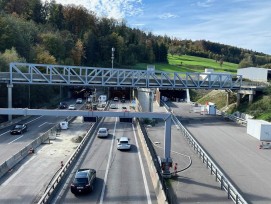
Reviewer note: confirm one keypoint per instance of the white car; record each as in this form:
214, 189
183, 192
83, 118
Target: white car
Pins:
79, 100
123, 144
113, 106
102, 132
71, 107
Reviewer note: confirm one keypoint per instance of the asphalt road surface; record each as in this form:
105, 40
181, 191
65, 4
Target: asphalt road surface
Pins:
236, 152
122, 176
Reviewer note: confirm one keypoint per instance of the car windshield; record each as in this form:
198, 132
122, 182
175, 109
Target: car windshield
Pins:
18, 126
102, 131
80, 180
123, 142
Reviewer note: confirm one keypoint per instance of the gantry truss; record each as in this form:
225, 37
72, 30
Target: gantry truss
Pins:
49, 74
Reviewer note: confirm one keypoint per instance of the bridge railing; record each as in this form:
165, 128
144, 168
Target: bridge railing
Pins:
225, 184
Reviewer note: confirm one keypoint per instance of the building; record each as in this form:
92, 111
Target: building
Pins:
255, 74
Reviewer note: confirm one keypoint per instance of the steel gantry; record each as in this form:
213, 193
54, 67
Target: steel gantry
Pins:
48, 74
86, 113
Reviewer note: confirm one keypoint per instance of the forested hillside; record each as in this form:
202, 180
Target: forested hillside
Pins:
50, 33
36, 32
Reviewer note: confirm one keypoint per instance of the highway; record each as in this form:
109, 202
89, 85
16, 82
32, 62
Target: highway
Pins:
195, 184
11, 144
122, 176
233, 149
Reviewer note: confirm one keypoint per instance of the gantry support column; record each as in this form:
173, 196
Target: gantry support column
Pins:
167, 161
9, 86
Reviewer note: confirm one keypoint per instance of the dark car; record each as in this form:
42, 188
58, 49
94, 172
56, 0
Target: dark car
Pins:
83, 181
122, 100
63, 105
18, 129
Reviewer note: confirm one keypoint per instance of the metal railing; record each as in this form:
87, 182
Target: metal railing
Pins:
225, 184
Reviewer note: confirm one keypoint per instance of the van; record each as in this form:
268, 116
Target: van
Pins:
102, 98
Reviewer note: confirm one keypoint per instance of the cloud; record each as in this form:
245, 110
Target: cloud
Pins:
207, 3
117, 9
167, 15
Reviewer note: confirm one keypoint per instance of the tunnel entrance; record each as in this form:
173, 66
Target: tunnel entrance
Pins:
173, 95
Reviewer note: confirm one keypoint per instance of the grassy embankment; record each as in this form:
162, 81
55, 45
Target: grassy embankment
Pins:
260, 108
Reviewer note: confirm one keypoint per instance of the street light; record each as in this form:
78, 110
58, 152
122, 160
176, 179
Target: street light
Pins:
112, 57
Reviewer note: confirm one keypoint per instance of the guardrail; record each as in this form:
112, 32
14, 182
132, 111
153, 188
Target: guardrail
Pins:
52, 189
225, 184
56, 182
238, 120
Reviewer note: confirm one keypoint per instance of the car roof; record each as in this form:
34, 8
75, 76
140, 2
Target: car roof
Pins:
83, 173
123, 139
102, 128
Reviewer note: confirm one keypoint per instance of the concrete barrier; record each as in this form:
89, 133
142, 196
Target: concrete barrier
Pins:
159, 191
16, 158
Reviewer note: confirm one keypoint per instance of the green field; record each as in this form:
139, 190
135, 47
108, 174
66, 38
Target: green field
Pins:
186, 63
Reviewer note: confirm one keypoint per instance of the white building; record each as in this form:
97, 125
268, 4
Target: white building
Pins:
254, 73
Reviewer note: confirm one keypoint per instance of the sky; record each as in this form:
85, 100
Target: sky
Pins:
240, 23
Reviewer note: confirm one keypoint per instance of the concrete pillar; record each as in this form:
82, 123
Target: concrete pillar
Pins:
250, 98
167, 147
151, 101
9, 86
238, 99
187, 96
228, 98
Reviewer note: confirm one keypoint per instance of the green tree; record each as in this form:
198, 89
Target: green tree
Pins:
7, 57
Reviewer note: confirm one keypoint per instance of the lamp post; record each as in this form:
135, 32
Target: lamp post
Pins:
112, 57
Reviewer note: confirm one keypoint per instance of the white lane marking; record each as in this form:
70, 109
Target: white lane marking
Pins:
34, 119
17, 172
142, 169
15, 139
4, 133
108, 164
26, 123
42, 124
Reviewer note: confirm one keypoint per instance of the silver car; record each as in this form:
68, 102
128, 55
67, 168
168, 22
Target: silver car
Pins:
103, 132
123, 144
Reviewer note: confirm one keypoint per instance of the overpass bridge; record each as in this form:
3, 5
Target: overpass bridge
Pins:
48, 74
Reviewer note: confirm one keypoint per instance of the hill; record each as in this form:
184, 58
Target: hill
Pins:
187, 63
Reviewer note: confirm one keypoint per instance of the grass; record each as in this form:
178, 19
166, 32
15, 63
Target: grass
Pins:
260, 108
186, 63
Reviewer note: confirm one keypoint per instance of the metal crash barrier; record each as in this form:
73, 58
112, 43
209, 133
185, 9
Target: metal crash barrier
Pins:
225, 184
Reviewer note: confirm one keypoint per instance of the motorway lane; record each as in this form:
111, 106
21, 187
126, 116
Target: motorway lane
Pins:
12, 144
121, 177
28, 180
194, 185
234, 150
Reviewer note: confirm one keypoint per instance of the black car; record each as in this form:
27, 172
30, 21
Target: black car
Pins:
18, 129
63, 105
122, 100
83, 181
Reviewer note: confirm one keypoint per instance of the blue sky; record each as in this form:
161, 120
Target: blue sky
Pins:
240, 23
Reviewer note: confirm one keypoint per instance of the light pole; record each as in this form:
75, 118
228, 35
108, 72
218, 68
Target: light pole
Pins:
112, 57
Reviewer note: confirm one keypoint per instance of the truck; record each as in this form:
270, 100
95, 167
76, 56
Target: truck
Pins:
259, 129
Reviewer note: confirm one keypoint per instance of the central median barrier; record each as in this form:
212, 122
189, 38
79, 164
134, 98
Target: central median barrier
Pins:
153, 166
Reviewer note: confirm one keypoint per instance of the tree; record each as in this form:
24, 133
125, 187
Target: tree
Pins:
77, 52
10, 55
